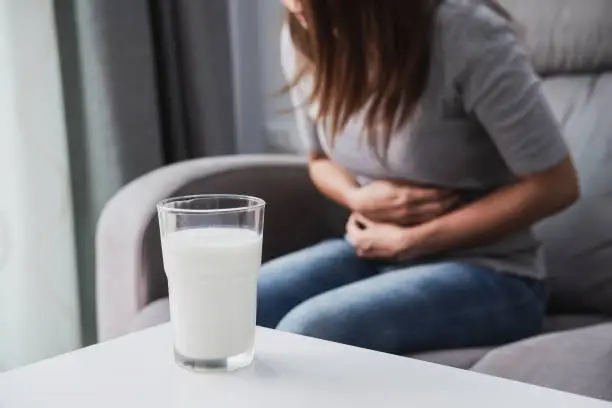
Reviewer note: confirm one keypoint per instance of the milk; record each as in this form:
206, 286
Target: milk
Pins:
212, 282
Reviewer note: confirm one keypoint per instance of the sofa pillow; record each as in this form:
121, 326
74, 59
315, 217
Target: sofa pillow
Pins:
565, 36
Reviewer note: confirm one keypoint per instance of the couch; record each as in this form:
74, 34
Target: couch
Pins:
571, 41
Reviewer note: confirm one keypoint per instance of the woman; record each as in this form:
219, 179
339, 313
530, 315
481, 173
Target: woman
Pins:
426, 120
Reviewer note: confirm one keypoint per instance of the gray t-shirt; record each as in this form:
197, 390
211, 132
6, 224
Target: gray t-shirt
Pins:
483, 122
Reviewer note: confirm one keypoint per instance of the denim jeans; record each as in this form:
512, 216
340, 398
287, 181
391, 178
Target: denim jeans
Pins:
328, 292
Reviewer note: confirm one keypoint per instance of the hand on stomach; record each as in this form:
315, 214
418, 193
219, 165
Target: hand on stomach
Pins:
401, 203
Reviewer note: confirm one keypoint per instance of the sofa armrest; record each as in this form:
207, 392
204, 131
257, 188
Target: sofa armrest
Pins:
129, 269
577, 361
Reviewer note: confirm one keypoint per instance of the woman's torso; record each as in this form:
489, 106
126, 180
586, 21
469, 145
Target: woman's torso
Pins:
444, 145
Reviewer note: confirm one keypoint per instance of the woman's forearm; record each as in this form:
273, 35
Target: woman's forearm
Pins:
505, 211
332, 180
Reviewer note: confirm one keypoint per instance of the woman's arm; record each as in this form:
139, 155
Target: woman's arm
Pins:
331, 179
383, 201
499, 85
503, 212
506, 211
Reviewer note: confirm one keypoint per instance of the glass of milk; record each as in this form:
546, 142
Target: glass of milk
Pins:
211, 246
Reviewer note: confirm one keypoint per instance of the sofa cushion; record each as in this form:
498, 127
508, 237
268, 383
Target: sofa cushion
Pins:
577, 361
578, 242
466, 358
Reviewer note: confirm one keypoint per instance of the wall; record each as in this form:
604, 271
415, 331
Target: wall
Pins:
279, 126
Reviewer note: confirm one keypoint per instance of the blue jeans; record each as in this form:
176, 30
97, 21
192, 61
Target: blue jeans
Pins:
327, 292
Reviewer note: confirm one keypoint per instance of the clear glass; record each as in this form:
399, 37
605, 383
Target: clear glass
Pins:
211, 246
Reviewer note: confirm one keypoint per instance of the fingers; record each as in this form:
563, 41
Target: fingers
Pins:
377, 196
408, 205
418, 195
357, 236
353, 231
388, 190
430, 211
365, 254
363, 220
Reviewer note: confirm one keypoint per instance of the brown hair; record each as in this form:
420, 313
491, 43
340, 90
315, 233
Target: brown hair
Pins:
365, 54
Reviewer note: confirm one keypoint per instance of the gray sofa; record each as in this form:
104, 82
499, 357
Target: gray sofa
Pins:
572, 48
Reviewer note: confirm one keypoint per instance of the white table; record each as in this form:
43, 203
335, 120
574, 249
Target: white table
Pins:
290, 371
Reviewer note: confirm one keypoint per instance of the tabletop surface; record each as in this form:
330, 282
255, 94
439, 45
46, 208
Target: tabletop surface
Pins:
289, 371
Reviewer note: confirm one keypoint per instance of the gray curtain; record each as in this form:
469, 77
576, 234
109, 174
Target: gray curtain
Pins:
146, 83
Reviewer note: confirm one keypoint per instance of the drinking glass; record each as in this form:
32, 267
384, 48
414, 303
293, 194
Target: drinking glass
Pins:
211, 247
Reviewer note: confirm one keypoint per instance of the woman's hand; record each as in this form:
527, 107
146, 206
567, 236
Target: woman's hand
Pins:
382, 201
402, 204
375, 240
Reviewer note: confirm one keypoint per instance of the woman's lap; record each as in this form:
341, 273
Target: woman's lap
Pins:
286, 282
423, 307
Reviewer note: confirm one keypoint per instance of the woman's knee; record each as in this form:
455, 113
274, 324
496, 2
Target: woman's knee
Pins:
317, 318
326, 317
289, 280
347, 323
